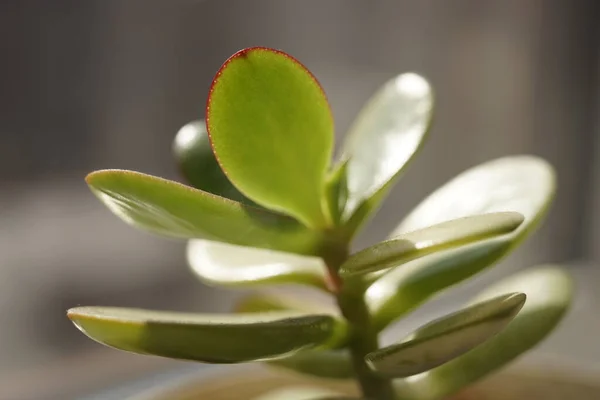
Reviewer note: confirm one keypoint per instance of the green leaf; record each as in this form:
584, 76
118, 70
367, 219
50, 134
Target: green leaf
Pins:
169, 208
207, 338
267, 302
330, 364
272, 132
549, 292
198, 164
337, 192
524, 184
446, 338
403, 289
386, 135
229, 265
419, 243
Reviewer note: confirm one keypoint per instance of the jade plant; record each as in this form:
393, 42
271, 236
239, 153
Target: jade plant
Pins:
267, 206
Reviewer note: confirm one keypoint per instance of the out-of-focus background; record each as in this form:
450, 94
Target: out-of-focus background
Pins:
97, 84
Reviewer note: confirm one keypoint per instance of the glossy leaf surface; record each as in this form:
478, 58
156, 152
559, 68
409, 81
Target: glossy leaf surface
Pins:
207, 338
549, 292
229, 265
169, 208
330, 364
272, 132
385, 136
523, 184
198, 164
419, 243
446, 338
403, 289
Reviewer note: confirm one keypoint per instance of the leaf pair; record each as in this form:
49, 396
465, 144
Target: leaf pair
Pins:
454, 351
521, 184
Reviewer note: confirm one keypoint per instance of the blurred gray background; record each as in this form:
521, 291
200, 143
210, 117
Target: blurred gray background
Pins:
97, 84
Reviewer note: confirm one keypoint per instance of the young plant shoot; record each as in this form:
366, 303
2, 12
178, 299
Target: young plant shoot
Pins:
269, 205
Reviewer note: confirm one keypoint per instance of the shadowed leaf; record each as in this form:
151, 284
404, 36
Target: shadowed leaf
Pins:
207, 338
403, 289
446, 338
419, 243
198, 164
549, 292
172, 209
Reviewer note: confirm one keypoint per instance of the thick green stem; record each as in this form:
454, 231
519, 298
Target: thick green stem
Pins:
363, 340
363, 336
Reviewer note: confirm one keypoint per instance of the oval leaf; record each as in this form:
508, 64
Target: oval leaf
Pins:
228, 265
198, 164
386, 135
446, 338
549, 292
207, 338
419, 243
524, 184
403, 289
169, 208
331, 364
272, 132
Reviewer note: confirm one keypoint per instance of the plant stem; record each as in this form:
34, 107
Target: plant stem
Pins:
363, 336
363, 340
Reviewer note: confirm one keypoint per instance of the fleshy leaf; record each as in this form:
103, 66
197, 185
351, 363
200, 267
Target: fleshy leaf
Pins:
444, 339
403, 289
204, 337
386, 135
524, 184
419, 243
198, 164
331, 364
272, 132
229, 265
549, 292
172, 209
267, 302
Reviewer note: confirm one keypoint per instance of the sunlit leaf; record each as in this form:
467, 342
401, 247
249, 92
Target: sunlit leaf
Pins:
404, 289
446, 338
524, 184
549, 291
229, 265
169, 208
272, 132
419, 243
207, 338
331, 364
198, 164
386, 135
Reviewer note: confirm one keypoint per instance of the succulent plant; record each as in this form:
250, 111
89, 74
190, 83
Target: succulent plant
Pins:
268, 206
